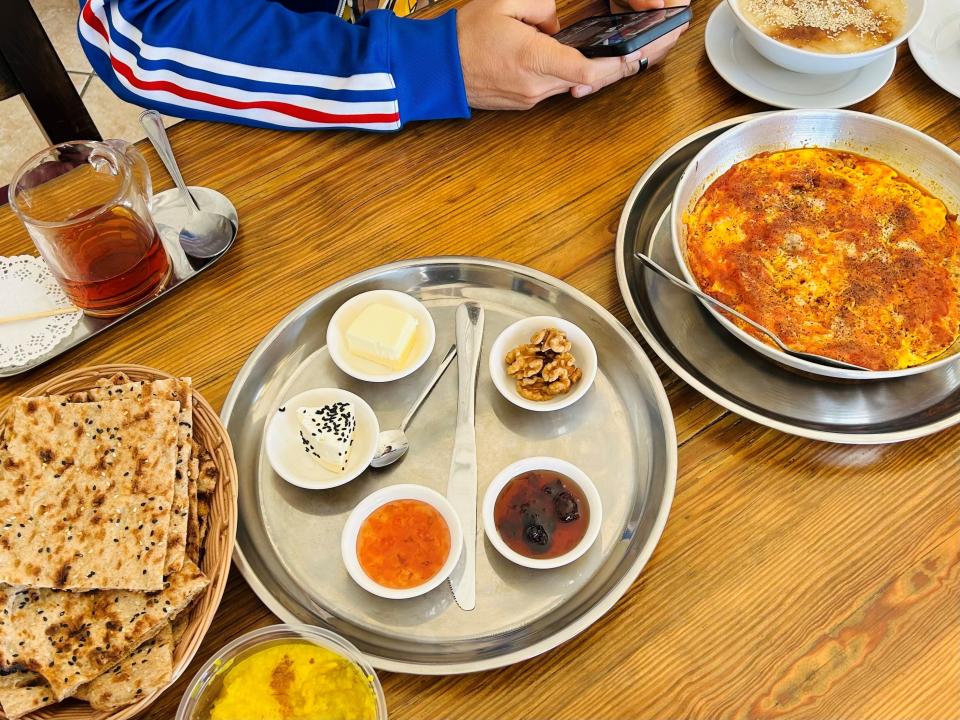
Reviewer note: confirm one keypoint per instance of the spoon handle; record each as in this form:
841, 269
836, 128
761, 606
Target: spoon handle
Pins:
811, 357
667, 275
447, 359
153, 124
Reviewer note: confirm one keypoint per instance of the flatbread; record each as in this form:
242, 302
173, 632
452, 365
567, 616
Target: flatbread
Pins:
176, 390
180, 625
148, 669
85, 501
203, 515
207, 477
22, 692
70, 637
193, 521
19, 700
208, 474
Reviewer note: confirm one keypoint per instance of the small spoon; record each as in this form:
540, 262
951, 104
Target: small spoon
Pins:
810, 357
393, 444
204, 234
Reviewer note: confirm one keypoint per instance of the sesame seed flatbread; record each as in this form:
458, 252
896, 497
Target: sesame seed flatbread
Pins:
177, 390
71, 637
86, 495
207, 473
193, 521
179, 625
140, 674
22, 692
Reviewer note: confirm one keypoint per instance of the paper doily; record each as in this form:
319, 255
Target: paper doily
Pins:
26, 286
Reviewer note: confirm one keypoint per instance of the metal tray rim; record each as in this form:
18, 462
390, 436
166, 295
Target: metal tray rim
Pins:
667, 358
615, 593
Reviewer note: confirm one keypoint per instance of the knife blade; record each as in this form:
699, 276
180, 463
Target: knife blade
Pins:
462, 485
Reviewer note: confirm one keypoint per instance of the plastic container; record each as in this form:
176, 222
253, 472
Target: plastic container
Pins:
207, 680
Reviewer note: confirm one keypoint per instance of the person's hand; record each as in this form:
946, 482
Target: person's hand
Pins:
622, 6
510, 62
658, 49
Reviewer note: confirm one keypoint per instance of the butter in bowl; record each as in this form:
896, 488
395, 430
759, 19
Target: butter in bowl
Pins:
380, 335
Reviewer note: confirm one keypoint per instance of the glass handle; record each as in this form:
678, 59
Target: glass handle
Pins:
138, 166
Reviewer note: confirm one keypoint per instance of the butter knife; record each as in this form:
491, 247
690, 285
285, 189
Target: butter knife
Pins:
462, 485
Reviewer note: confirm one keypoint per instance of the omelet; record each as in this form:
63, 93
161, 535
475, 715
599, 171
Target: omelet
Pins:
839, 254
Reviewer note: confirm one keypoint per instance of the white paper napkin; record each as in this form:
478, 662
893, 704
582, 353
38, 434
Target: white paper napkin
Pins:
26, 286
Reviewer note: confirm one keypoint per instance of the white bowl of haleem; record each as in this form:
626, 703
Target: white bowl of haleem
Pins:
826, 36
118, 506
835, 229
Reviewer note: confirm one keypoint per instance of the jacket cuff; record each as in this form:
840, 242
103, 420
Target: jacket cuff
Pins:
425, 64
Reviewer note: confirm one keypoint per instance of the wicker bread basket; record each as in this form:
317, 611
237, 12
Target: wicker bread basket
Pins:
218, 545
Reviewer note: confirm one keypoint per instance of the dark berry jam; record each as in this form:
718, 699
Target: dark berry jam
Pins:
541, 514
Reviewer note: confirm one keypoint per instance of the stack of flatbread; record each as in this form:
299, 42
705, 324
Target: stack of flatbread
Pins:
104, 505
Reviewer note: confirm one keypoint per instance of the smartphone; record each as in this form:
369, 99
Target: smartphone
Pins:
621, 34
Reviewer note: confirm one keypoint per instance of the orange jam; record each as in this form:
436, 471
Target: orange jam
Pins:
403, 544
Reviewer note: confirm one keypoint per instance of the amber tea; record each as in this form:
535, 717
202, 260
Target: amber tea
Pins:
86, 206
111, 261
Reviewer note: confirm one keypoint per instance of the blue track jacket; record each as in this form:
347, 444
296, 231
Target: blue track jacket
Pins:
276, 63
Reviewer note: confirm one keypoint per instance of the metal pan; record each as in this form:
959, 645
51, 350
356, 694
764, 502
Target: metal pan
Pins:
708, 357
931, 164
620, 433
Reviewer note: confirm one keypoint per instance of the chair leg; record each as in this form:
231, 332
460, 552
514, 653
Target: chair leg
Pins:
47, 89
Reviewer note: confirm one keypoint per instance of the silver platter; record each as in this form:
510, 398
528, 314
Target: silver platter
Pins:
696, 347
620, 433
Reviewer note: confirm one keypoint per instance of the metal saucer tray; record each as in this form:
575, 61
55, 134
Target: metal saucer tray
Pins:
168, 213
620, 433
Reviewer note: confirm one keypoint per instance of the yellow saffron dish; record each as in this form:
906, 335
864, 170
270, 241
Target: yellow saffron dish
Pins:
294, 681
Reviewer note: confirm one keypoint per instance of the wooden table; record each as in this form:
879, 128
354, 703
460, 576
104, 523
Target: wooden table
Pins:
795, 578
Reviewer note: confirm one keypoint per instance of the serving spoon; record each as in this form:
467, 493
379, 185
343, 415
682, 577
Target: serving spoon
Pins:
809, 357
393, 444
204, 234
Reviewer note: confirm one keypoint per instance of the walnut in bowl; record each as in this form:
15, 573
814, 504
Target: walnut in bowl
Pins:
543, 363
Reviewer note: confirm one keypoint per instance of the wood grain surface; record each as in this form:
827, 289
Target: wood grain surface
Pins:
794, 579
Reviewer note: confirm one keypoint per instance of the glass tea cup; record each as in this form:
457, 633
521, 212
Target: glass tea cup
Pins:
86, 207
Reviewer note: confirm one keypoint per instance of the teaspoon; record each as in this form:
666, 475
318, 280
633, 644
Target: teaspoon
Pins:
393, 444
204, 234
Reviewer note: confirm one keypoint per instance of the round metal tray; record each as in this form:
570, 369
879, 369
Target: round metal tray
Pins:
696, 347
620, 433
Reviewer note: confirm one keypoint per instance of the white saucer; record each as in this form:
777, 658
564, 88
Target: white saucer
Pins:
755, 76
935, 44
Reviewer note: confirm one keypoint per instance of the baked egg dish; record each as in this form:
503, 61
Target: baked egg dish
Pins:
838, 254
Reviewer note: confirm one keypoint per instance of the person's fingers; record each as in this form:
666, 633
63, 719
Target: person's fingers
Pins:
628, 65
640, 5
658, 49
542, 14
553, 59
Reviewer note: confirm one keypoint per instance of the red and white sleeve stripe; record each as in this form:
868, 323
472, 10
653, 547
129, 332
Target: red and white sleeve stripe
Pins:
280, 109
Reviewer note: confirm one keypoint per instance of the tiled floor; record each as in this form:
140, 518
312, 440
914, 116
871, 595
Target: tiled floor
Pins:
19, 135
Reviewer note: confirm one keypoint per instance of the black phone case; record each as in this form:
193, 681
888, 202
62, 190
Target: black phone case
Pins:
644, 38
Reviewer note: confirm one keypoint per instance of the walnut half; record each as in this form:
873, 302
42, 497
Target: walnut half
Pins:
544, 367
